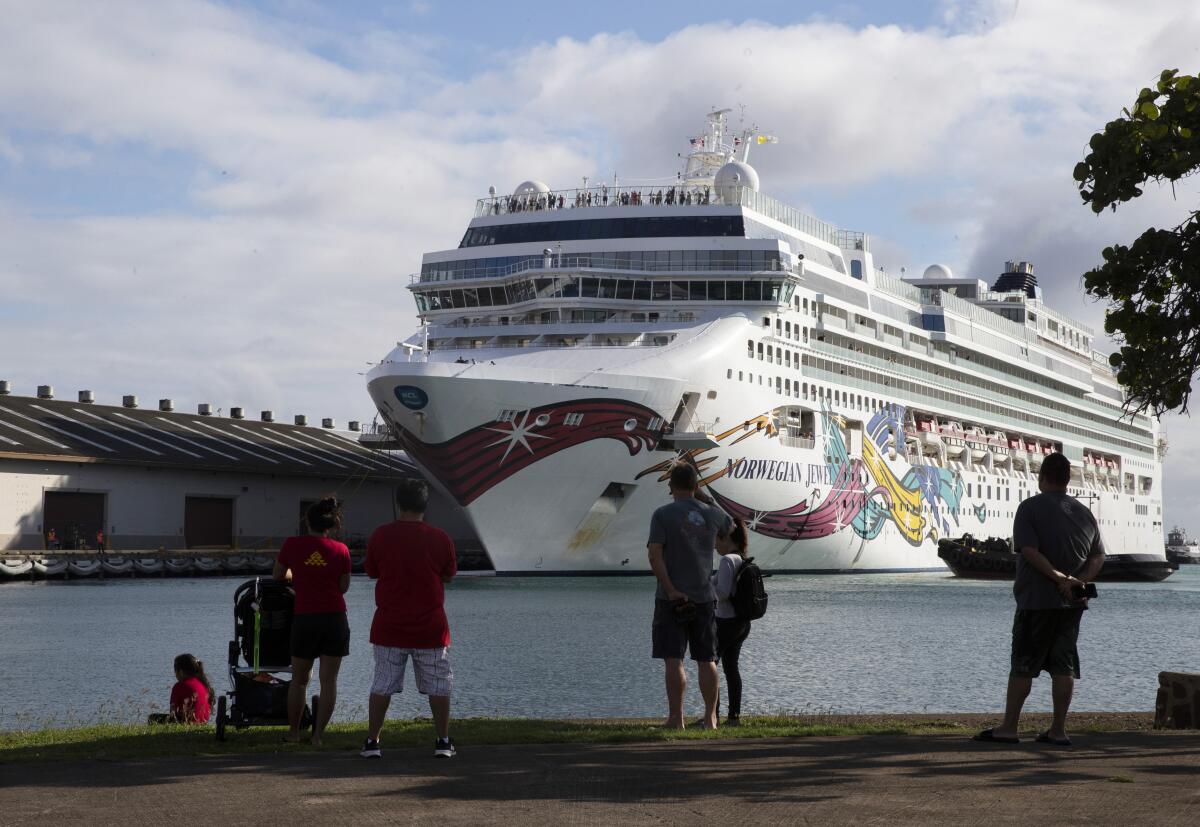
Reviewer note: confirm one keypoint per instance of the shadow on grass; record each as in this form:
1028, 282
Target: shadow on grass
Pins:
583, 762
118, 742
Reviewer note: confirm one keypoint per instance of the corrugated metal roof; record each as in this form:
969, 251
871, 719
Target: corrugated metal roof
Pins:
52, 429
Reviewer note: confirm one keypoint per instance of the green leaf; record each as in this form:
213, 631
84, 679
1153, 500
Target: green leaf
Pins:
1149, 111
1081, 171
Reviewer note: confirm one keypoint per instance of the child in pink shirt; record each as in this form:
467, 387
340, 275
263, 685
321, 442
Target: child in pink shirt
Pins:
191, 697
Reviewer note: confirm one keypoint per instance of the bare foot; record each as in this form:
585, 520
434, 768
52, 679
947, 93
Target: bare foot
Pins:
293, 738
315, 740
674, 724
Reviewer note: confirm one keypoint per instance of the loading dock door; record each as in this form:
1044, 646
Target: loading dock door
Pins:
208, 522
71, 519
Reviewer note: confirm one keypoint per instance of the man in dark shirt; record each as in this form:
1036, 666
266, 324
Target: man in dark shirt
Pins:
682, 538
1060, 549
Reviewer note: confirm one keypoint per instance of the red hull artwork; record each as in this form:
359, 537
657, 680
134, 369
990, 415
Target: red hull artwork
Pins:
469, 464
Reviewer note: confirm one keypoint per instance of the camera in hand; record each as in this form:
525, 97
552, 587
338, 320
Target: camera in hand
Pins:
1083, 590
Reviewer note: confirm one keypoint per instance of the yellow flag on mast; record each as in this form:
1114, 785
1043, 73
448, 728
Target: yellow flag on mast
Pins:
766, 139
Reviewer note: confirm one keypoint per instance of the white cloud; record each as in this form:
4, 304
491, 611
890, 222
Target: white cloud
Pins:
318, 185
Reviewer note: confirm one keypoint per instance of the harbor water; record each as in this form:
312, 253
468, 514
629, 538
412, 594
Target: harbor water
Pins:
101, 650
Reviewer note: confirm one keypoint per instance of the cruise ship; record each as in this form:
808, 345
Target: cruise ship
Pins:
578, 342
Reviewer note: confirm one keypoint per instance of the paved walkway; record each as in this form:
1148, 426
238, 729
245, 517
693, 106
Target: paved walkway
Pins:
1113, 778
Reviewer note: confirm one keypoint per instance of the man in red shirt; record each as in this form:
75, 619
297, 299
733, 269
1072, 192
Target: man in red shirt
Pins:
411, 562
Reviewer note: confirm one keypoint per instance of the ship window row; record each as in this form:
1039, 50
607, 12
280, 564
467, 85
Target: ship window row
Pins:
587, 287
975, 361
674, 226
838, 372
644, 260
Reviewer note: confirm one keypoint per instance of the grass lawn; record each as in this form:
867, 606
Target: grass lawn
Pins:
116, 741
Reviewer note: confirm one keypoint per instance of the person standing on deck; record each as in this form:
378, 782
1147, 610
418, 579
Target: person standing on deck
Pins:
1059, 551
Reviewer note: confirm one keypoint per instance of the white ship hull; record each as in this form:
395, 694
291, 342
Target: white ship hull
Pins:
545, 497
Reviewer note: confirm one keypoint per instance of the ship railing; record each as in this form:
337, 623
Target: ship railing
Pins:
585, 263
797, 441
470, 347
673, 318
600, 196
604, 197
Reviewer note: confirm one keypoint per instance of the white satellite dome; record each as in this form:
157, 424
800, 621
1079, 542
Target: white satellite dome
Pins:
733, 175
530, 188
937, 271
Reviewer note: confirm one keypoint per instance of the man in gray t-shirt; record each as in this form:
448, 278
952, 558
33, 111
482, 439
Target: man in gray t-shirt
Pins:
1058, 550
682, 538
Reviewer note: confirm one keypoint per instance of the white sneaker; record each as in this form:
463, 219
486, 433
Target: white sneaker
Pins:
371, 749
444, 748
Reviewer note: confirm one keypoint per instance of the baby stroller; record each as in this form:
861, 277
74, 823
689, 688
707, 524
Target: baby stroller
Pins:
262, 628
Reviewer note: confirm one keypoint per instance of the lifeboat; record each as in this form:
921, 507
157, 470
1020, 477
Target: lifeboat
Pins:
116, 565
14, 566
953, 438
977, 443
148, 565
928, 438
1035, 455
86, 567
998, 444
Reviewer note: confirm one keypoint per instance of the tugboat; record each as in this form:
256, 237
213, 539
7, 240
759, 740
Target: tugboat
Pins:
994, 559
967, 556
1181, 549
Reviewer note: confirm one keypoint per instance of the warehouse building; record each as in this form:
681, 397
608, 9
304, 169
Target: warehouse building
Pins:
79, 475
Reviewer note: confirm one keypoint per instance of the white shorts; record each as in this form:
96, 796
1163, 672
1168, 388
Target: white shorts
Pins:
431, 667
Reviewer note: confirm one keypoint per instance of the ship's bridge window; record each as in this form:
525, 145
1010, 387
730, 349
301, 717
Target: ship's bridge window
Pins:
856, 270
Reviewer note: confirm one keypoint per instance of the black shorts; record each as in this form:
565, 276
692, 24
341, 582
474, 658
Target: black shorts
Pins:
671, 638
1044, 639
326, 633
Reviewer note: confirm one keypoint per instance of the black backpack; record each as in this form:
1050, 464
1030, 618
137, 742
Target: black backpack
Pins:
749, 596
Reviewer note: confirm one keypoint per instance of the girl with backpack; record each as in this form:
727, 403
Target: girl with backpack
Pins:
732, 631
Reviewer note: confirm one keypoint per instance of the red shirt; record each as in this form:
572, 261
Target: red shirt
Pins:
190, 698
410, 559
317, 564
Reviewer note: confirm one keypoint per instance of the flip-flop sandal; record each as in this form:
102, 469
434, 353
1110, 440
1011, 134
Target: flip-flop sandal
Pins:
1046, 738
989, 736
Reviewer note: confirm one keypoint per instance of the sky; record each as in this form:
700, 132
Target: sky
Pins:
224, 202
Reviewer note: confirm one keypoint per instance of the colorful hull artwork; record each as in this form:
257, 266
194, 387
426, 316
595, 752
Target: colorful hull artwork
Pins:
863, 495
469, 464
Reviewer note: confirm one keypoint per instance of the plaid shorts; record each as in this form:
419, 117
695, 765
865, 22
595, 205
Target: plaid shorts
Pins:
431, 667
